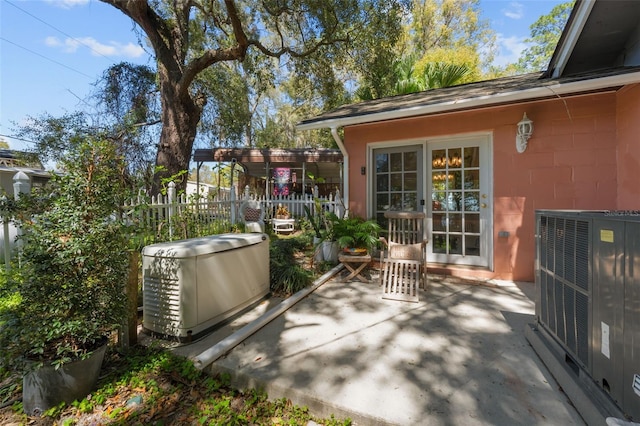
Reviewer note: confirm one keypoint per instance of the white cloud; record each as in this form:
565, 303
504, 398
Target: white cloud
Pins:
515, 10
52, 41
71, 45
131, 50
510, 49
67, 4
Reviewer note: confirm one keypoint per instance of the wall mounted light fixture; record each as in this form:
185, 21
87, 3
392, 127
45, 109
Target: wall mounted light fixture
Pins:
523, 133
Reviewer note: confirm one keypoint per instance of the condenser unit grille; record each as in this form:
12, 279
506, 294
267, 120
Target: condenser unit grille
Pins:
582, 255
582, 317
563, 256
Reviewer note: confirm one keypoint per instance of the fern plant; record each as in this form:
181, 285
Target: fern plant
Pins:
356, 232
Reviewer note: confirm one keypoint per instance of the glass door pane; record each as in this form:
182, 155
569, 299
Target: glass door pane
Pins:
458, 189
397, 180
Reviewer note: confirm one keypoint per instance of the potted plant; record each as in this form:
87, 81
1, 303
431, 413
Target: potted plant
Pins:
315, 219
71, 278
330, 246
356, 235
282, 212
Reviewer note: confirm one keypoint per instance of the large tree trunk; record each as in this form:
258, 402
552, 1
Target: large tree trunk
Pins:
167, 27
180, 118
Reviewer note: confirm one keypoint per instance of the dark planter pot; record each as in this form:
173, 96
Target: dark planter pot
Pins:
47, 387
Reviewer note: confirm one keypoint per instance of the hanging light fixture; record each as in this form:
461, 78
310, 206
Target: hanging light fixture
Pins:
524, 131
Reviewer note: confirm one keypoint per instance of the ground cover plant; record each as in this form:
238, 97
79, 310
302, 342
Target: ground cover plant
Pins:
149, 386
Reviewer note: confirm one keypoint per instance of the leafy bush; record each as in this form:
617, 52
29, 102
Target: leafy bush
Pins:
286, 274
74, 262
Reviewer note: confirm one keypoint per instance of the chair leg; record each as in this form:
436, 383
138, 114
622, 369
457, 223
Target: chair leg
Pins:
424, 277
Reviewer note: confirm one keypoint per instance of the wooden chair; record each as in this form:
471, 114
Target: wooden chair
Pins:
404, 262
252, 214
400, 279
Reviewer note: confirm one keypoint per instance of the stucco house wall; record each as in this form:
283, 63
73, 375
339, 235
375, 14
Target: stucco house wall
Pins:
582, 146
628, 127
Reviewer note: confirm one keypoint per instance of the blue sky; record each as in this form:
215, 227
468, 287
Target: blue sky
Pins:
52, 51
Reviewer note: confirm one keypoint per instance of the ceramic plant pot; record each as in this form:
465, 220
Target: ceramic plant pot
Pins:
330, 251
318, 256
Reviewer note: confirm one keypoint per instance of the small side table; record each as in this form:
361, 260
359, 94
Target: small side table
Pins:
355, 264
283, 225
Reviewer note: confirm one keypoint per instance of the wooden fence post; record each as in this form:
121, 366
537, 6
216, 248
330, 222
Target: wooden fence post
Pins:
21, 185
171, 199
129, 332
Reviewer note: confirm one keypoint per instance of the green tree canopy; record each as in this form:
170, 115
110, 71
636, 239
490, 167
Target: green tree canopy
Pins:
191, 37
443, 42
545, 33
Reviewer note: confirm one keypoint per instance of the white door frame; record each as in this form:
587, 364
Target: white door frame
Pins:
484, 141
371, 168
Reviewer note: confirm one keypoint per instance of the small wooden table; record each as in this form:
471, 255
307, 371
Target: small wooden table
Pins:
355, 264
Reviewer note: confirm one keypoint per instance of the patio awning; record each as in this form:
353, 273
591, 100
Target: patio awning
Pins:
321, 162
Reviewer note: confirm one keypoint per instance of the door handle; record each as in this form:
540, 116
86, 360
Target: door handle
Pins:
483, 205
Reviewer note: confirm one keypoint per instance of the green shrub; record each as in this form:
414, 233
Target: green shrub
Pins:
356, 232
73, 262
286, 274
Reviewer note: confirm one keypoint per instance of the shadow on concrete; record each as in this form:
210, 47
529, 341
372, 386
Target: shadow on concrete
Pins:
459, 356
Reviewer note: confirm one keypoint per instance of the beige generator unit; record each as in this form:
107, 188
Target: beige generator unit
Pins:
190, 286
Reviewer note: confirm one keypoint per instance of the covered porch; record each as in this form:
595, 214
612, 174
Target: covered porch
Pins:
309, 168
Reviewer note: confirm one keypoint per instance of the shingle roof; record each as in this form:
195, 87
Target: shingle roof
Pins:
459, 97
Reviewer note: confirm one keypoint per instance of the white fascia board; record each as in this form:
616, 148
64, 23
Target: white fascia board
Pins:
482, 101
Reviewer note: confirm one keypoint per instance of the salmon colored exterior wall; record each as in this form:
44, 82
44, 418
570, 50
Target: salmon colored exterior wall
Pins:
571, 163
628, 125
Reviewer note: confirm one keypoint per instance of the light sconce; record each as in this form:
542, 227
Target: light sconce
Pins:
525, 129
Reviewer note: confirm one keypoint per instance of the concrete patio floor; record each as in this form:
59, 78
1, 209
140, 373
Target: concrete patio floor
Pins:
458, 357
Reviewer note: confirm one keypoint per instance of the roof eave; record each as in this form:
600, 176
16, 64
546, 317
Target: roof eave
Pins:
569, 37
482, 101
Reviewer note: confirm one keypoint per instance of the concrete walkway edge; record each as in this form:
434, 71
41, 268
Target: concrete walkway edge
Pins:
321, 408
207, 357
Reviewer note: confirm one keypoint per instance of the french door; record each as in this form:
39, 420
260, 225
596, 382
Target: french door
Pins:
459, 214
398, 180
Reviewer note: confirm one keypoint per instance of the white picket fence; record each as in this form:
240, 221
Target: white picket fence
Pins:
159, 213
165, 217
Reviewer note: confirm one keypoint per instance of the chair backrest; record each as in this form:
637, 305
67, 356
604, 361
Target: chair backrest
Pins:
405, 227
251, 211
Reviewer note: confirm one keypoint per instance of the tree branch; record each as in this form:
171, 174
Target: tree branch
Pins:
211, 56
153, 26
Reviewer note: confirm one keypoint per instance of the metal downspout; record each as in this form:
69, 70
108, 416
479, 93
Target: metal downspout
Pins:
345, 166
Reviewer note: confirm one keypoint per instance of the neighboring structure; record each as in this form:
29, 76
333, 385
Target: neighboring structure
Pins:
309, 167
12, 162
459, 147
206, 190
24, 170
